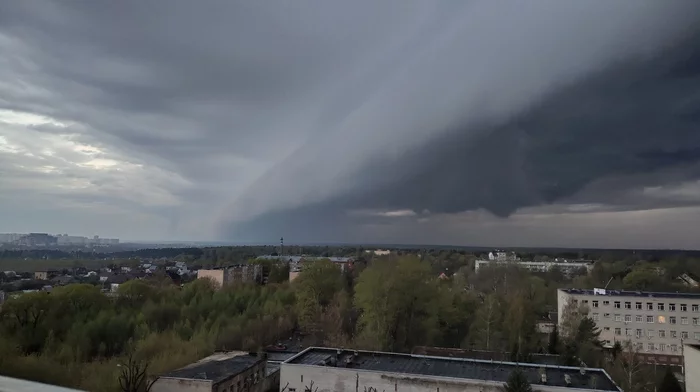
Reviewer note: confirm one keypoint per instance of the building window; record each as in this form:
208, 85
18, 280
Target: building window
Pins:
650, 347
638, 318
638, 305
628, 318
684, 308
662, 320
660, 306
628, 331
696, 321
650, 306
674, 335
695, 308
606, 315
575, 302
672, 307
662, 333
606, 303
618, 317
696, 335
618, 331
674, 348
606, 328
595, 304
302, 378
662, 347
650, 333
628, 305
684, 335
617, 304
672, 319
650, 319
639, 333
639, 347
595, 316
684, 320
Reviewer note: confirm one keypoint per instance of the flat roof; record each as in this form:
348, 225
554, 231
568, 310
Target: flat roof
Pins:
473, 369
544, 359
628, 293
215, 370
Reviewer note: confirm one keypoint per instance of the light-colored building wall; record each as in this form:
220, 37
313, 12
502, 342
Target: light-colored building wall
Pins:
179, 385
334, 379
41, 275
217, 275
536, 266
655, 323
691, 365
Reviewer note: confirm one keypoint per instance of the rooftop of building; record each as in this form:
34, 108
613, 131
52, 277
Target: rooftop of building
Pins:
542, 359
215, 370
627, 293
473, 369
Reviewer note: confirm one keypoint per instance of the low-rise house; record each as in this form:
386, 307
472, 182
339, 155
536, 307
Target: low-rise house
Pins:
237, 373
41, 275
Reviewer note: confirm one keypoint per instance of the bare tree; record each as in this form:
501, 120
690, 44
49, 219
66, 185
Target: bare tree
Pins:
631, 370
134, 376
310, 387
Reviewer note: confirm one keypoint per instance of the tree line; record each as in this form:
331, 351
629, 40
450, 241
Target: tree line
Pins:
77, 336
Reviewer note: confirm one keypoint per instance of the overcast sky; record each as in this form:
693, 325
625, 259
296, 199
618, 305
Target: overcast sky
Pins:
493, 123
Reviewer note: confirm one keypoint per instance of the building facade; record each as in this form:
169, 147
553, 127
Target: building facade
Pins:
334, 370
657, 324
567, 267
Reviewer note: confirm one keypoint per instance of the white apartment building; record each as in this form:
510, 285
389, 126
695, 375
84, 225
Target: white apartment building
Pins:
657, 324
567, 267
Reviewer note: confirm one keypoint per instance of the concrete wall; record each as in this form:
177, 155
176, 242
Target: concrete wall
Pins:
691, 362
179, 385
331, 379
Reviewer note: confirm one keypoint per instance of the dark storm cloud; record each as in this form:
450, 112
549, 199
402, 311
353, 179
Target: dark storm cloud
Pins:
345, 120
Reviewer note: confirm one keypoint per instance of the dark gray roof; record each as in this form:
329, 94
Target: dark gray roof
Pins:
543, 359
215, 371
595, 379
641, 294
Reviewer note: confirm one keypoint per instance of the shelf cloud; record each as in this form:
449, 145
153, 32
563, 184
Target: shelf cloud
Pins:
461, 122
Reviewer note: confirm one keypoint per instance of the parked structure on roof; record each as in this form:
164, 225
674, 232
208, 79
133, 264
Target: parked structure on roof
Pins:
331, 369
657, 324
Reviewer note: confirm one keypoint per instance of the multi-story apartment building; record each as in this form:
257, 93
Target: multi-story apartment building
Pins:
657, 324
567, 267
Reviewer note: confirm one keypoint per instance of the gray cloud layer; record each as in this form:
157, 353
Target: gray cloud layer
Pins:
546, 123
